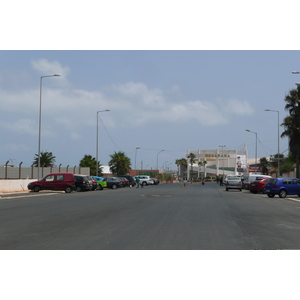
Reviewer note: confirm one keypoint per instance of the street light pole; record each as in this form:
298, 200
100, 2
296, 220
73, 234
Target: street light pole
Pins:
278, 140
135, 160
255, 148
97, 167
157, 161
40, 123
223, 157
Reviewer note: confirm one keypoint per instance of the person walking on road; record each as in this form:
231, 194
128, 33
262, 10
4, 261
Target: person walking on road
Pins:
137, 180
221, 181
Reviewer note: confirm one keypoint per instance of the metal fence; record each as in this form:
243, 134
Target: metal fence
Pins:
18, 172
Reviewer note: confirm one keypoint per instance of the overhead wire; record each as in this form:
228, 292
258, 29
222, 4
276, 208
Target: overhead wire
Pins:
109, 134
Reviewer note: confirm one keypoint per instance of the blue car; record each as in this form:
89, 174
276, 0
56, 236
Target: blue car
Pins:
282, 187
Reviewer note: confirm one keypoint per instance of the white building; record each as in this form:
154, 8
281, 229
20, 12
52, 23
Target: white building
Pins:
220, 162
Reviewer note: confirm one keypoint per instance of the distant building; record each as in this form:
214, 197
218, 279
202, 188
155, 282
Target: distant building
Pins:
219, 162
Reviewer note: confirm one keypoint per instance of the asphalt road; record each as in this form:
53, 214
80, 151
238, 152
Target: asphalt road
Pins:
164, 217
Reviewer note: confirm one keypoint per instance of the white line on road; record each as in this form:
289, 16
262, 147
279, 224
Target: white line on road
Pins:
15, 197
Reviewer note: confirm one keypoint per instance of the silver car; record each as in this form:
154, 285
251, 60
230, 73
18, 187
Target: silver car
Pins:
233, 183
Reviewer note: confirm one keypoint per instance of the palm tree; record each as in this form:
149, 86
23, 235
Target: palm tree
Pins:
202, 163
182, 162
119, 163
274, 162
263, 164
292, 125
47, 159
192, 160
90, 162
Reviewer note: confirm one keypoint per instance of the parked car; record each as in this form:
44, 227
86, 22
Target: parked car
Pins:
233, 183
82, 183
93, 182
122, 181
112, 182
245, 184
145, 180
282, 187
126, 181
55, 181
257, 186
101, 182
155, 181
253, 177
130, 179
247, 181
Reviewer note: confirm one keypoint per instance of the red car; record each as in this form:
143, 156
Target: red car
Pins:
257, 186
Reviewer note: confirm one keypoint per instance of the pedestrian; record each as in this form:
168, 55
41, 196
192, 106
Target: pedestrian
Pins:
137, 180
221, 181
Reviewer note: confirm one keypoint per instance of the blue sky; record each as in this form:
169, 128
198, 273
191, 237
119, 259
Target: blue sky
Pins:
174, 77
171, 100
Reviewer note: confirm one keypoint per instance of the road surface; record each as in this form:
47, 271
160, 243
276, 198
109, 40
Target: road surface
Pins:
163, 217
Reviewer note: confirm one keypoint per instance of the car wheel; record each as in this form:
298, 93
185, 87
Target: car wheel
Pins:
271, 195
68, 189
226, 190
37, 188
78, 189
114, 186
100, 187
240, 190
282, 194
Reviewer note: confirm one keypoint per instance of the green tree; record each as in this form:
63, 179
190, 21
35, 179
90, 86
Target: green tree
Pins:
202, 163
274, 162
47, 159
192, 160
90, 162
119, 163
182, 162
291, 124
287, 165
263, 164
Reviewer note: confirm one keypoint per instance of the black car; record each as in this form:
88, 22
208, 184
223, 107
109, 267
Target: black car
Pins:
129, 178
82, 183
113, 182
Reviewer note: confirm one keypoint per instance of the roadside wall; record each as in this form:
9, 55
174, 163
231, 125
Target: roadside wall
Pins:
8, 172
10, 186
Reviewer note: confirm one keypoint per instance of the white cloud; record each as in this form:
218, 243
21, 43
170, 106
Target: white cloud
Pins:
236, 107
48, 68
131, 104
25, 126
140, 94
